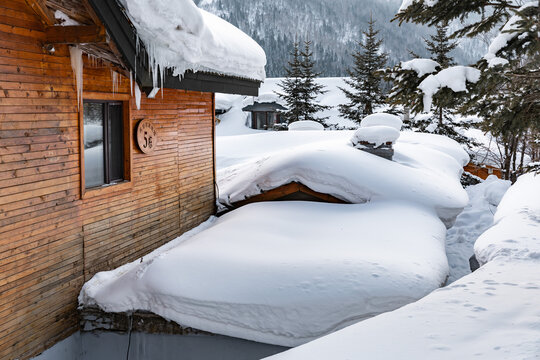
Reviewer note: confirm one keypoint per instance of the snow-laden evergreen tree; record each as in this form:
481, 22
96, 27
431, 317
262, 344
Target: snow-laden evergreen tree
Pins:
507, 96
439, 46
299, 88
311, 89
292, 86
365, 80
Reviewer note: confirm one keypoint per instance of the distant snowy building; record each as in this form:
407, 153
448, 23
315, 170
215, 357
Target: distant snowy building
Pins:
265, 115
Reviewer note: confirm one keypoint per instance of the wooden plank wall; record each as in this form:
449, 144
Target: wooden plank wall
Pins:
52, 240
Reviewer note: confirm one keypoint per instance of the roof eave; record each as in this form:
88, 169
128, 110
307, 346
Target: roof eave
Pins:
124, 35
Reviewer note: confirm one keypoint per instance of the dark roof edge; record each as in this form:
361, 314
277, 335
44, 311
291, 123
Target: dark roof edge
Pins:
124, 35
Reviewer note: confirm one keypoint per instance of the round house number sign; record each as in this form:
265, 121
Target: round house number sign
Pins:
146, 136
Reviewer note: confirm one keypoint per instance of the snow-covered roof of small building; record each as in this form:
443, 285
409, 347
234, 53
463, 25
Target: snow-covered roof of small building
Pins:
264, 107
278, 273
426, 169
180, 36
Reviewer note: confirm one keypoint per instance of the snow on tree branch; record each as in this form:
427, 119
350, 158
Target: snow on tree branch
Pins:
455, 78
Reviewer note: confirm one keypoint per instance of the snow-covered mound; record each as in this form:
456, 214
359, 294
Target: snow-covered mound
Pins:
382, 119
377, 129
476, 218
489, 314
305, 125
377, 135
255, 273
179, 35
426, 170
516, 232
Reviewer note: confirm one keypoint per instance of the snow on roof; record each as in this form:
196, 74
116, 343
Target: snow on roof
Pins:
516, 231
305, 125
455, 78
489, 314
420, 66
179, 35
426, 169
254, 273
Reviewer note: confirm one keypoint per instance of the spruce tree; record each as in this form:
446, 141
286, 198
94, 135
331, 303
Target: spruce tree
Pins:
365, 81
292, 86
440, 46
311, 89
299, 88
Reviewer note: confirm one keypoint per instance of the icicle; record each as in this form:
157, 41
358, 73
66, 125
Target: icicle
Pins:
77, 66
131, 82
137, 96
115, 82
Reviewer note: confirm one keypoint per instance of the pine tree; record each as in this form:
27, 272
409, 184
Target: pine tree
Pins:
292, 86
440, 46
365, 81
311, 89
300, 89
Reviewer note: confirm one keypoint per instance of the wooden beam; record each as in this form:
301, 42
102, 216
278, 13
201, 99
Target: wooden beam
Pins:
79, 34
43, 12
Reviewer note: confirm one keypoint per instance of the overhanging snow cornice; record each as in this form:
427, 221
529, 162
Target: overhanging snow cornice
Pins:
124, 35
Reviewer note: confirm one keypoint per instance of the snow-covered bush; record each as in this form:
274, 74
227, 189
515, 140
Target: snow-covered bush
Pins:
305, 125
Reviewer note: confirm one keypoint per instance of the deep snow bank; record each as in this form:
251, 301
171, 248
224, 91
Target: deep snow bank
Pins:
516, 232
489, 314
426, 170
285, 272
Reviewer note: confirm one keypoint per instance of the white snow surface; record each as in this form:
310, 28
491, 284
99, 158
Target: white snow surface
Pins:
284, 272
179, 35
305, 125
426, 168
420, 66
455, 78
516, 232
476, 218
382, 119
377, 135
492, 313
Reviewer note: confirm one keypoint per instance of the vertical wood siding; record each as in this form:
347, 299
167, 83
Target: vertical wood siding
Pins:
51, 239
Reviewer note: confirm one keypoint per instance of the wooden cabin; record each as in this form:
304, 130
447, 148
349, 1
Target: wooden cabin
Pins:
89, 186
294, 191
483, 171
265, 115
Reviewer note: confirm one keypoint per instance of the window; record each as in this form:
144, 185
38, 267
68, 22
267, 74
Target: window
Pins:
103, 143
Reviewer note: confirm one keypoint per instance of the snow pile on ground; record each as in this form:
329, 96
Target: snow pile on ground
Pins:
476, 218
305, 125
426, 170
492, 313
455, 78
179, 35
420, 66
516, 232
377, 129
284, 272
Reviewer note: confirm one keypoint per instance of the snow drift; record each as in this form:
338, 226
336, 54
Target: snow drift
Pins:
426, 170
489, 314
284, 272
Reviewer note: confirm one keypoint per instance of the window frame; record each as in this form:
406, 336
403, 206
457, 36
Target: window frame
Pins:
127, 134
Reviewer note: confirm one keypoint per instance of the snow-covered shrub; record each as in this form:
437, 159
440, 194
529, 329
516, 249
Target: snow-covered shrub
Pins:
305, 125
377, 134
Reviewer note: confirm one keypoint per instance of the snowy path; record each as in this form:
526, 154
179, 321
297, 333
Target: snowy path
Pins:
476, 218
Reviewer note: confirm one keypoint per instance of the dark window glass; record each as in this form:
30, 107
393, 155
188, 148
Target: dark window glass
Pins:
103, 160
